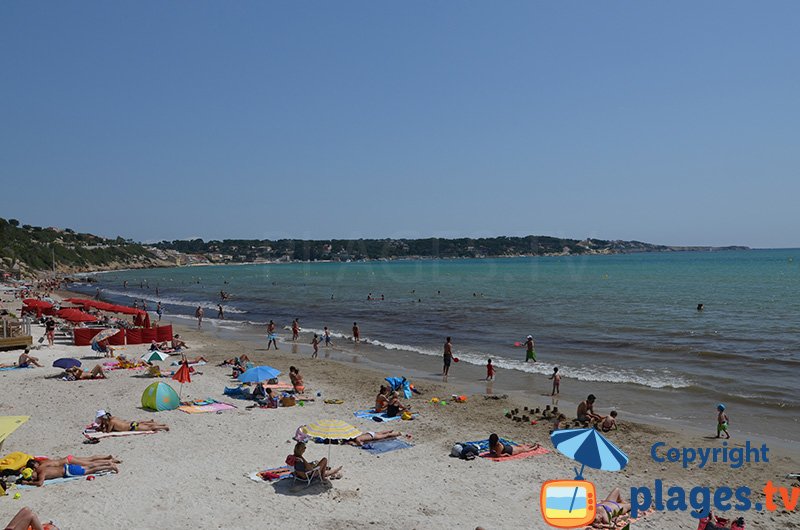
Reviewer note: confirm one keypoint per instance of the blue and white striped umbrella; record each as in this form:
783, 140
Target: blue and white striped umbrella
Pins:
590, 448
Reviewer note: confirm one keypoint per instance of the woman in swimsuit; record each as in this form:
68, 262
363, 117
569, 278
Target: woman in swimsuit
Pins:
612, 504
302, 467
381, 401
497, 449
297, 380
371, 436
96, 373
109, 423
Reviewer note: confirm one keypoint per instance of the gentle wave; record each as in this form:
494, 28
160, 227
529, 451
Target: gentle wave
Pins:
205, 304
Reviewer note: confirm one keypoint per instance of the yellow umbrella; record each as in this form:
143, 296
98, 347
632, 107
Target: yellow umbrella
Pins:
331, 430
9, 424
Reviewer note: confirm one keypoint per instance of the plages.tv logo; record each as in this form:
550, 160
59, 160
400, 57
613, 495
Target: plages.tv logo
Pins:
573, 503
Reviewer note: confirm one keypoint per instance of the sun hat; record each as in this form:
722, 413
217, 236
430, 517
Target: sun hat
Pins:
100, 413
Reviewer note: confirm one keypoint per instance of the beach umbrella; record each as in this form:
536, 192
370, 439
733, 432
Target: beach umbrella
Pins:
105, 334
590, 448
258, 374
66, 362
182, 375
155, 355
331, 430
37, 304
160, 396
75, 315
9, 424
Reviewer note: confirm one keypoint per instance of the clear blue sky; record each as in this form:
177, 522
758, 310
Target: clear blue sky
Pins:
668, 122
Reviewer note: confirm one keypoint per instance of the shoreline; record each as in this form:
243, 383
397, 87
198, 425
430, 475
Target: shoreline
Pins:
226, 446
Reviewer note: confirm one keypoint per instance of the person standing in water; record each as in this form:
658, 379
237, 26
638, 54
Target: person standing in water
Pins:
530, 351
556, 381
356, 333
327, 336
315, 343
448, 357
198, 313
295, 329
220, 312
489, 371
272, 337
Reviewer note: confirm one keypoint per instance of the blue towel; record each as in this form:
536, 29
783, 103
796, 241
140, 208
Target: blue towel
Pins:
369, 415
61, 479
14, 368
384, 446
483, 445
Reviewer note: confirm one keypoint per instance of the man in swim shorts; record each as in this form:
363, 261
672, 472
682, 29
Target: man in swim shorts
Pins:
586, 410
448, 357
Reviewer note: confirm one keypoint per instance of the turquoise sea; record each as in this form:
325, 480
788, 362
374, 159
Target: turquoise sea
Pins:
629, 321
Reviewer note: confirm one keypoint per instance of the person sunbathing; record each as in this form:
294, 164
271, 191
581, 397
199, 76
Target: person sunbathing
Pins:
25, 360
79, 460
498, 449
297, 380
381, 400
178, 344
236, 361
370, 436
302, 467
109, 423
26, 519
196, 360
610, 507
76, 374
36, 477
395, 407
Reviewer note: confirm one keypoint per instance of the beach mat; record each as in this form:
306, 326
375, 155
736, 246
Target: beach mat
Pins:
96, 435
61, 480
261, 476
385, 446
212, 407
370, 415
526, 454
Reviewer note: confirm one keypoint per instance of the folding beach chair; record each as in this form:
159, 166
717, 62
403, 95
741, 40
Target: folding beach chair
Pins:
310, 475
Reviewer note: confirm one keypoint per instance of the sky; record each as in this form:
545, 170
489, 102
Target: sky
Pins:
666, 122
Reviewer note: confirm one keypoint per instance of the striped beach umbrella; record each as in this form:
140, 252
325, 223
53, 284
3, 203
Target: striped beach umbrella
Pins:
155, 355
331, 430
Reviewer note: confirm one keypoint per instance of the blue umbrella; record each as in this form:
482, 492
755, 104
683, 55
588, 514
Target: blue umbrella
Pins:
590, 448
66, 362
259, 373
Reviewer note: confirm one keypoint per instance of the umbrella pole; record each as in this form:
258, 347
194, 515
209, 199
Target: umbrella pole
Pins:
575, 493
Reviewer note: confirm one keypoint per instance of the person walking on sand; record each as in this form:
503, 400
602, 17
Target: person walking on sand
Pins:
315, 343
556, 381
722, 422
295, 329
448, 357
530, 351
198, 313
220, 312
489, 371
272, 337
356, 333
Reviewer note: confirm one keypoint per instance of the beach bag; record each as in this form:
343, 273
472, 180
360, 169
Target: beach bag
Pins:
456, 450
300, 435
288, 402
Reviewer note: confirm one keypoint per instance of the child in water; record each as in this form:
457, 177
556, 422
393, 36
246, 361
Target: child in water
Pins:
722, 422
489, 371
556, 381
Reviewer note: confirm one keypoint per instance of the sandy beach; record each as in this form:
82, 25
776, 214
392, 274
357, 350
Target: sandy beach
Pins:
195, 475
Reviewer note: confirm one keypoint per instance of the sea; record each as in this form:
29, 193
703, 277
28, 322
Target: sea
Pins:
623, 327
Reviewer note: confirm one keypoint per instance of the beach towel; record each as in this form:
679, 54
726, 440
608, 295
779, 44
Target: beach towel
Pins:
5, 368
280, 386
61, 480
212, 407
270, 475
96, 435
526, 454
371, 415
178, 363
9, 424
385, 446
483, 445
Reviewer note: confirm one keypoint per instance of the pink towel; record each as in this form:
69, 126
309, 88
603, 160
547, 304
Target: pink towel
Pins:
526, 454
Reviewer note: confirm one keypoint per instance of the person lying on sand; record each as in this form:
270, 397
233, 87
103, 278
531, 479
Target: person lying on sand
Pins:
369, 436
27, 520
613, 505
79, 460
109, 423
36, 477
76, 374
498, 449
302, 467
196, 360
236, 361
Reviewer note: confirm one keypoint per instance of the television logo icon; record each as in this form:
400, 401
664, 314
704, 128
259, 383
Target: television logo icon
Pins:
568, 503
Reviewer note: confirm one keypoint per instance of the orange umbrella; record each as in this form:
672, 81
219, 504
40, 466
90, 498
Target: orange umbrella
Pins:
183, 375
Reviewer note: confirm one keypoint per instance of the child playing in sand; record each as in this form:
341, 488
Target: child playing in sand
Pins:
557, 421
609, 422
722, 422
556, 381
489, 371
